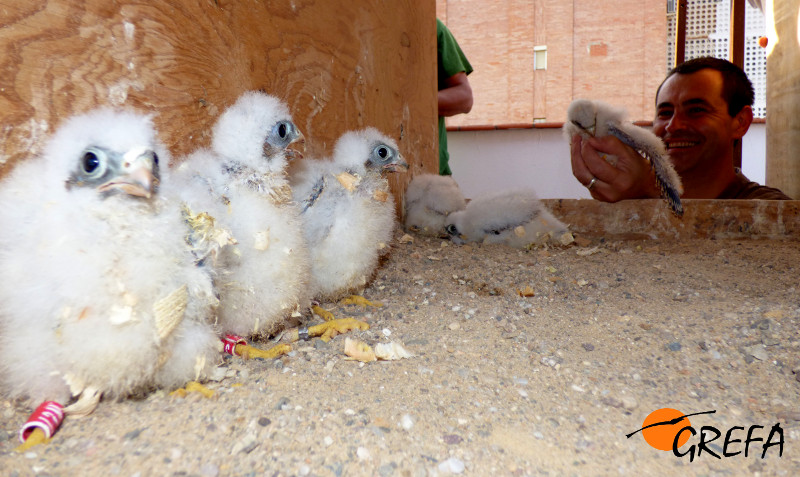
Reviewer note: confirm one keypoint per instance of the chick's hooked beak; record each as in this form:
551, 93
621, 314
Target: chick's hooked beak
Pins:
589, 129
297, 147
455, 236
400, 165
138, 176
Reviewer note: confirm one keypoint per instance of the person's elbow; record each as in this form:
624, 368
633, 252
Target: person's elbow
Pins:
466, 103
465, 94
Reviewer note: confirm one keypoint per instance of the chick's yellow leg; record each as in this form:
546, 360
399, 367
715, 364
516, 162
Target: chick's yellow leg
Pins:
326, 331
249, 352
35, 438
360, 300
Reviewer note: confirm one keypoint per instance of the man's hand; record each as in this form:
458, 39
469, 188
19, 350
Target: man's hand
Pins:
630, 178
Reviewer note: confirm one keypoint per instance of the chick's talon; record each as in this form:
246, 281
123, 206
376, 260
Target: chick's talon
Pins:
326, 331
192, 386
322, 313
361, 301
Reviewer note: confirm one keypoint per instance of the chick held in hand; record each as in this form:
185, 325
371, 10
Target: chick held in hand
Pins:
589, 118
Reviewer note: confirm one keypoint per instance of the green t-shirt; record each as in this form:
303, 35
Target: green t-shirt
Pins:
451, 60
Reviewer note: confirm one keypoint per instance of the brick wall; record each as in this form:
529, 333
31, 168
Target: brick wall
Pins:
614, 51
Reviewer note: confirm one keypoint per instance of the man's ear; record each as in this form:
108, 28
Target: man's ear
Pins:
742, 122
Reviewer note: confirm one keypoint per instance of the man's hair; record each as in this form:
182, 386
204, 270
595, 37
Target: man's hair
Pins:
737, 90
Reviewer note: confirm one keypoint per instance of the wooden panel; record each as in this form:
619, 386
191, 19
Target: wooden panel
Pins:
702, 218
339, 64
783, 97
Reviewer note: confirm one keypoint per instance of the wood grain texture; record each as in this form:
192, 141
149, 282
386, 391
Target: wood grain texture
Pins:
340, 65
783, 98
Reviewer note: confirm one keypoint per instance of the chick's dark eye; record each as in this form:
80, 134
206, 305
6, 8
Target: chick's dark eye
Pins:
452, 230
283, 130
383, 152
90, 162
155, 158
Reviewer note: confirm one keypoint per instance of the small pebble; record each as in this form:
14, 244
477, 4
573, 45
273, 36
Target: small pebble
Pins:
588, 346
629, 403
386, 470
452, 439
406, 422
454, 326
209, 470
245, 445
328, 441
363, 453
264, 421
304, 470
283, 404
451, 465
132, 434
758, 352
674, 346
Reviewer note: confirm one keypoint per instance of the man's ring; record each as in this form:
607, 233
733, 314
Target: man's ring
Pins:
591, 183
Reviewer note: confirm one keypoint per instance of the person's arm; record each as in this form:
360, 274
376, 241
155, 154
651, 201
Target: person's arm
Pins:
630, 178
456, 97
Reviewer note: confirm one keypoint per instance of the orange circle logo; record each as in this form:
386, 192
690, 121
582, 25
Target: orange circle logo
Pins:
667, 424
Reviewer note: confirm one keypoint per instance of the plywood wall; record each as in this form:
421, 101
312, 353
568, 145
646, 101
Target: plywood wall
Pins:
783, 96
339, 65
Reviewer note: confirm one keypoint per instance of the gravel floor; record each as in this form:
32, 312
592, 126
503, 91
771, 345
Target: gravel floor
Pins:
503, 384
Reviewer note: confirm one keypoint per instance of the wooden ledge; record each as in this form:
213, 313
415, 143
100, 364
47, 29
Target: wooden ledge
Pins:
651, 218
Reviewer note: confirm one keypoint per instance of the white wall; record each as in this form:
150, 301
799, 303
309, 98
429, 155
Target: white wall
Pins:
484, 161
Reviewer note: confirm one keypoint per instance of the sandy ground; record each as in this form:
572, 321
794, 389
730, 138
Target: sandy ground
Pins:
500, 384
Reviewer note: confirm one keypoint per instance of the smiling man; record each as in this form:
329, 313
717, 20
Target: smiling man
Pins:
702, 108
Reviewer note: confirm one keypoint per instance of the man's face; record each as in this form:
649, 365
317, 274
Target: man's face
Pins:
693, 120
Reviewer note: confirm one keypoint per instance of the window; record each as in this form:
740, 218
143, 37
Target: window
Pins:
540, 57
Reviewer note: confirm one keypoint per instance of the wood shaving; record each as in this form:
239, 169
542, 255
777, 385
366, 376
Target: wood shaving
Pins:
584, 252
168, 312
406, 239
86, 404
348, 181
391, 351
527, 292
359, 351
380, 195
261, 240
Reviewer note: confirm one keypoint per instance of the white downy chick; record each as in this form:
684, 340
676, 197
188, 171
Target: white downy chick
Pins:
516, 218
99, 294
347, 210
599, 119
241, 183
429, 199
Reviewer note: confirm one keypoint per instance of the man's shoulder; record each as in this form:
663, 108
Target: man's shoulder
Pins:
744, 188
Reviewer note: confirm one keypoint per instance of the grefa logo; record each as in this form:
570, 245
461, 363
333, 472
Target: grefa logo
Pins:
669, 429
